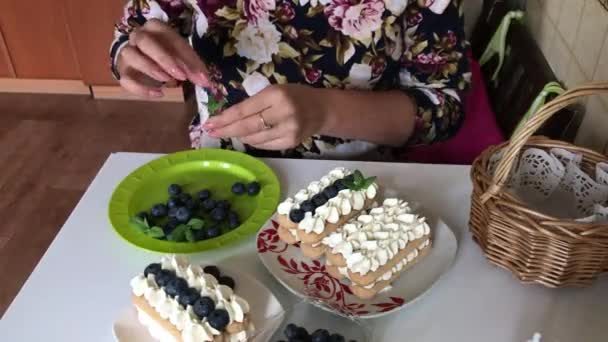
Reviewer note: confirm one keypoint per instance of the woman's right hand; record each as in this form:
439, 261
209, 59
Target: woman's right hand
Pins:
155, 55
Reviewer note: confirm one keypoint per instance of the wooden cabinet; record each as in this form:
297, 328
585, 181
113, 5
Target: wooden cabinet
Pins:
91, 28
6, 67
38, 40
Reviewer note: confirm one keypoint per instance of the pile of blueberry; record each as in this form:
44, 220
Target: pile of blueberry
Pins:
295, 333
175, 286
296, 215
192, 218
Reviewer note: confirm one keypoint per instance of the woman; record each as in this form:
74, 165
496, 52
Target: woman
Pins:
306, 78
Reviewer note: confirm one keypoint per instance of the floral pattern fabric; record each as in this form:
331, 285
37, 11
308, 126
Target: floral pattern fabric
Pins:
417, 46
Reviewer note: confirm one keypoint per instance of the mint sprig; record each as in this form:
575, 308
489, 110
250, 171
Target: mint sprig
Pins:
155, 232
181, 233
196, 224
358, 181
214, 105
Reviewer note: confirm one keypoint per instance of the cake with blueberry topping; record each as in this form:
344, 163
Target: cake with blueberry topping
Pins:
375, 248
181, 302
318, 210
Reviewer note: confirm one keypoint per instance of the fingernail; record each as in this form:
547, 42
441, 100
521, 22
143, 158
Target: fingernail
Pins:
156, 93
203, 80
212, 134
208, 125
179, 74
159, 76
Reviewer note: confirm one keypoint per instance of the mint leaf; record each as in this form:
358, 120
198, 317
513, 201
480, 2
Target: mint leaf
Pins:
358, 177
367, 182
196, 224
155, 232
189, 235
178, 234
142, 224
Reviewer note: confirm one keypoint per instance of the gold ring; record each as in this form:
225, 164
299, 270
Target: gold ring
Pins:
265, 125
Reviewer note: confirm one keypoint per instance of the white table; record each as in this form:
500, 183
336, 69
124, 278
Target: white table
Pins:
82, 282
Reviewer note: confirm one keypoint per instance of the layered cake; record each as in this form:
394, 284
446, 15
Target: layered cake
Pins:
374, 248
323, 206
178, 302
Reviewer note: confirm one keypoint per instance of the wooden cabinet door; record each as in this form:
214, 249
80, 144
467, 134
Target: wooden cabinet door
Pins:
6, 67
91, 25
37, 39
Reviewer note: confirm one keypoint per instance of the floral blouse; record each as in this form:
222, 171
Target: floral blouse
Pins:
417, 46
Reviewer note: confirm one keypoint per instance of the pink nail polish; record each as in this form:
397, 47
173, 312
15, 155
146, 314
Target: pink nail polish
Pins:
179, 74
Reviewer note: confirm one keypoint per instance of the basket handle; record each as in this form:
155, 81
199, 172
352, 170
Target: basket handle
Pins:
519, 139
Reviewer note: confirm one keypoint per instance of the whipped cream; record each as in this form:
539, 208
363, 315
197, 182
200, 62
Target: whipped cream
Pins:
312, 189
372, 239
184, 319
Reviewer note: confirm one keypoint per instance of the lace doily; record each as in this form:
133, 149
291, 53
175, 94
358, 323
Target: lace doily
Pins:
553, 183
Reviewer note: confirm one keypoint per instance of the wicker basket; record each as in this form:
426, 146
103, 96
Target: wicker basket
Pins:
537, 248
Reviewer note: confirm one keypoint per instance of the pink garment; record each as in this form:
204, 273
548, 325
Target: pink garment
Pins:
479, 130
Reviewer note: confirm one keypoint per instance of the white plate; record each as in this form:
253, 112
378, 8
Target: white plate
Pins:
308, 279
267, 312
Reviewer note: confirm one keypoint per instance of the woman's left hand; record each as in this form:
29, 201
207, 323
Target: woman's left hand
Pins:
277, 118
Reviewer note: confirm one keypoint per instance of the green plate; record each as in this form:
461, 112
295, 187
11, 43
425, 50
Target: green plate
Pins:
212, 169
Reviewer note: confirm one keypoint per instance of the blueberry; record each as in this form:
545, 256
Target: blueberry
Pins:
224, 204
307, 206
290, 331
319, 200
172, 212
152, 269
192, 204
200, 235
142, 215
174, 202
302, 334
226, 280
183, 215
159, 210
331, 191
184, 197
296, 215
203, 195
218, 319
175, 189
320, 335
339, 184
170, 227
164, 276
208, 204
233, 220
203, 307
175, 286
239, 188
213, 270
336, 338
213, 232
188, 297
218, 214
253, 188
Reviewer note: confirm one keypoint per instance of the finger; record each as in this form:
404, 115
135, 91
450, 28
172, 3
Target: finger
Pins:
276, 144
250, 106
187, 58
132, 57
263, 136
150, 46
241, 128
138, 88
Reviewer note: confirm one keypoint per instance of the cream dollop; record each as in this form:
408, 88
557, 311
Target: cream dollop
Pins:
194, 332
139, 285
285, 207
302, 195
314, 187
312, 223
371, 191
358, 200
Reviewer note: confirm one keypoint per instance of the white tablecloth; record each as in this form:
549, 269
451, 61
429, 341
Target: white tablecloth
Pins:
82, 282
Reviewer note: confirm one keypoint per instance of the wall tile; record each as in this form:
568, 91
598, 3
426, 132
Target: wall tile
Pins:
559, 57
545, 35
591, 36
569, 20
575, 75
592, 133
553, 8
601, 71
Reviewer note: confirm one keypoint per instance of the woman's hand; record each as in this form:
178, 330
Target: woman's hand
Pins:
155, 55
277, 118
